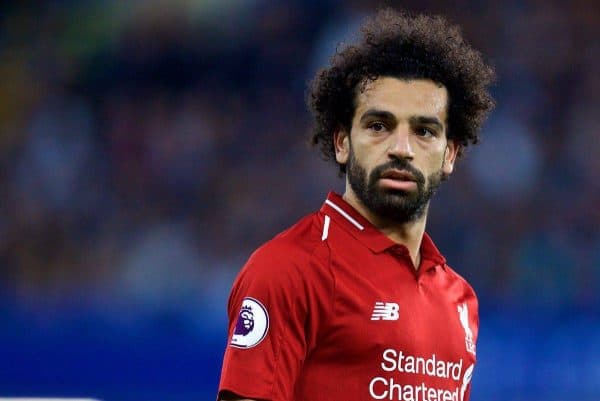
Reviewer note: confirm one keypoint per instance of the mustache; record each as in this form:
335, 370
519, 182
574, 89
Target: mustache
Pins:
398, 164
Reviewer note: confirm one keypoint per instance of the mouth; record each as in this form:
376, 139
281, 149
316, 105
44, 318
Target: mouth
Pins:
399, 180
398, 175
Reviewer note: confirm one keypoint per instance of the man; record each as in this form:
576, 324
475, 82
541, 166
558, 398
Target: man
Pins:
355, 302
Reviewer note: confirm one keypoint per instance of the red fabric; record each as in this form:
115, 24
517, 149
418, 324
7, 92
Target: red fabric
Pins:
321, 297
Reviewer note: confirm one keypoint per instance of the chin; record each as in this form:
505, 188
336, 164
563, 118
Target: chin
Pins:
392, 193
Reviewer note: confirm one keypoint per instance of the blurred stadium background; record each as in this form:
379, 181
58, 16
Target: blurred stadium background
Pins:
146, 147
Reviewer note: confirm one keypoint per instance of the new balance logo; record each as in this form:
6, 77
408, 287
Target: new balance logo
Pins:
385, 311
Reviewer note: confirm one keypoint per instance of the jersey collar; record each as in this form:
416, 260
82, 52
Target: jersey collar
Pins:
360, 228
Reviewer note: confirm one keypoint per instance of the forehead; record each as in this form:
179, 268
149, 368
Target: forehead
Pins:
403, 98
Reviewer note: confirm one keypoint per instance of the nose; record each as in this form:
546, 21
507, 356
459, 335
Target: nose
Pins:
400, 143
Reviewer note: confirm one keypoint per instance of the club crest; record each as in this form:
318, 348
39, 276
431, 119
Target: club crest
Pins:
463, 315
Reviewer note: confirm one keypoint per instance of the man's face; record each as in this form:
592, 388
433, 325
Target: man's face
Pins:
397, 152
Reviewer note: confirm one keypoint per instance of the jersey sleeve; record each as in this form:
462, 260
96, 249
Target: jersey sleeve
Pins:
275, 309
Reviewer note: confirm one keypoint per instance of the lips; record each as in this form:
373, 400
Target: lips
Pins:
398, 180
399, 175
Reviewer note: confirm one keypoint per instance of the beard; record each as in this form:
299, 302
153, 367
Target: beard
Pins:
394, 205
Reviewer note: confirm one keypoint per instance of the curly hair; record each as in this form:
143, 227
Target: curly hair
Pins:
405, 46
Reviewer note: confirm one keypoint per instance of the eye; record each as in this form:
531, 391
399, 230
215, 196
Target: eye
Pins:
425, 132
377, 126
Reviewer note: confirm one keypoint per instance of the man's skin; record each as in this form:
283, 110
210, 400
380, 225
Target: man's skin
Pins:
396, 118
401, 134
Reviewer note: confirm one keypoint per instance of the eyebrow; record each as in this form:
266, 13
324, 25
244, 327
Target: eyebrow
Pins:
378, 114
425, 120
386, 115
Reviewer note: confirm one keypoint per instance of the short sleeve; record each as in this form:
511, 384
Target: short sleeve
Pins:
275, 309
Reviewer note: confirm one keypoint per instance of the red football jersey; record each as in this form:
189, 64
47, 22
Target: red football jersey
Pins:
332, 309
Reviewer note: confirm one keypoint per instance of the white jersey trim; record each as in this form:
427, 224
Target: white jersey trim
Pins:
325, 228
344, 214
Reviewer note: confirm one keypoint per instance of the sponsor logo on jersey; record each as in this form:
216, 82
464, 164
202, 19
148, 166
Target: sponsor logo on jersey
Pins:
386, 385
385, 311
463, 316
465, 382
252, 324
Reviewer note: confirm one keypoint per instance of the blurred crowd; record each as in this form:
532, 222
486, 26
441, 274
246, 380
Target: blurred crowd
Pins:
147, 147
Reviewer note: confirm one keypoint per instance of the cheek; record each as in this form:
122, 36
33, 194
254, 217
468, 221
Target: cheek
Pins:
371, 157
438, 158
371, 164
433, 164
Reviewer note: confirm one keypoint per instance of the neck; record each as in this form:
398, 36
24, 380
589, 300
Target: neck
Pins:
409, 234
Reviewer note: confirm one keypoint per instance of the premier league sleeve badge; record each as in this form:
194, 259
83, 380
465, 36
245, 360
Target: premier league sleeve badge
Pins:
252, 324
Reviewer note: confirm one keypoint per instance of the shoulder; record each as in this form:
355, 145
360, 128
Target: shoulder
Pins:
298, 241
290, 271
461, 281
291, 255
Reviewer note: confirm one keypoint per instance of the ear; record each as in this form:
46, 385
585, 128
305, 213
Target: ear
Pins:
341, 143
450, 155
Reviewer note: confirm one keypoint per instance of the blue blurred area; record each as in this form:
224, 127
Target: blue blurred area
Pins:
521, 356
90, 358
147, 147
